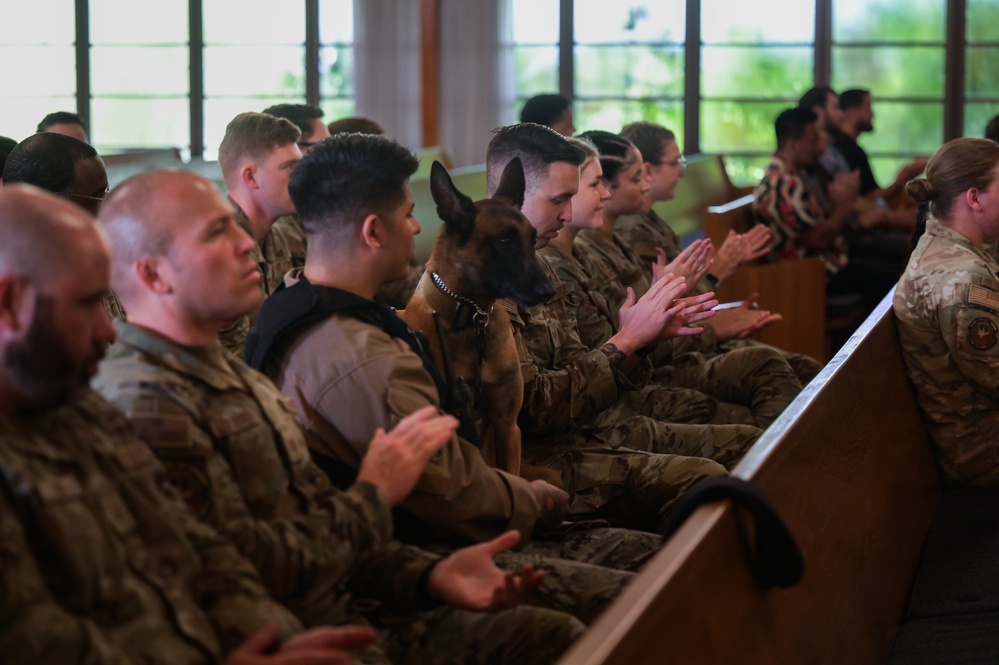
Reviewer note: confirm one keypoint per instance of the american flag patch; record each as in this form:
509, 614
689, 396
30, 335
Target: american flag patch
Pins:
983, 297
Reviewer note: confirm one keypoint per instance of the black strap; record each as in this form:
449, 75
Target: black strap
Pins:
777, 560
290, 310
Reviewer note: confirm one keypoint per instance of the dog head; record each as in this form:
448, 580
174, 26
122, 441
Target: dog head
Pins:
487, 247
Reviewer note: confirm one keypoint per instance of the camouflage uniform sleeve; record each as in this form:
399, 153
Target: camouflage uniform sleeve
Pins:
554, 397
458, 493
34, 627
292, 550
970, 328
228, 587
395, 574
593, 327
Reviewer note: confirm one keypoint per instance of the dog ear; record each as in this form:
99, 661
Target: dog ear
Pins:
454, 208
512, 184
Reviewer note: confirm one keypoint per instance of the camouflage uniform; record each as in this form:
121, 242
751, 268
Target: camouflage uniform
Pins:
643, 233
584, 417
947, 308
274, 259
289, 228
99, 563
231, 443
373, 381
749, 386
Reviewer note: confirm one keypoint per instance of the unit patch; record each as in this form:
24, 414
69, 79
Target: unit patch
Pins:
982, 333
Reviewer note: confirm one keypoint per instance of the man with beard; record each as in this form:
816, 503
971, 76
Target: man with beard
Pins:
99, 563
858, 117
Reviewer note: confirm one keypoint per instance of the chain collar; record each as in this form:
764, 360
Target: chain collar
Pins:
479, 312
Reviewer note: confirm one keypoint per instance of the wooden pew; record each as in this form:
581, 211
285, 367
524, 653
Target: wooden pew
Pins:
850, 469
795, 289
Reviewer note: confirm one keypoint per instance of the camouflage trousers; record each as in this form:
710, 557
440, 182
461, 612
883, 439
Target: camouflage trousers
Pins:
662, 420
620, 549
804, 367
623, 473
752, 385
524, 634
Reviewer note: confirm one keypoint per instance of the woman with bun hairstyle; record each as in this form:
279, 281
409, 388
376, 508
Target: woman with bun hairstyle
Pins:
947, 308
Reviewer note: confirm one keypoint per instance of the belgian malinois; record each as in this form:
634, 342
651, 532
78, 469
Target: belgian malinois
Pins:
483, 252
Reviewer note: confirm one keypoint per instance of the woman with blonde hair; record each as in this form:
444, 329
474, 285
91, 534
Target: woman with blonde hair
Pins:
947, 308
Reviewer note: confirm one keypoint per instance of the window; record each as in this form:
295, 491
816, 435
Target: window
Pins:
629, 63
138, 70
39, 74
981, 88
896, 51
139, 83
754, 64
336, 58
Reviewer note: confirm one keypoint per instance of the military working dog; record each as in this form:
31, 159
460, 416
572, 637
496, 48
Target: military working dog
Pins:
483, 252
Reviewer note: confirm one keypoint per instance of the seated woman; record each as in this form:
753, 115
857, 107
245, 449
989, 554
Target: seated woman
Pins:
947, 308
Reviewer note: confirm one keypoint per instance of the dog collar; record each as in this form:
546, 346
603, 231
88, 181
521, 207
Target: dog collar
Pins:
480, 319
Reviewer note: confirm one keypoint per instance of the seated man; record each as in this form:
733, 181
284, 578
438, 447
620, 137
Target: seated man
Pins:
237, 453
798, 223
102, 564
858, 117
550, 110
256, 156
309, 120
874, 231
353, 197
68, 167
66, 123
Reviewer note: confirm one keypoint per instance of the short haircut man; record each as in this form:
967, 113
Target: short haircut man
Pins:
816, 97
792, 123
308, 119
64, 122
538, 147
61, 165
360, 237
852, 98
550, 110
355, 125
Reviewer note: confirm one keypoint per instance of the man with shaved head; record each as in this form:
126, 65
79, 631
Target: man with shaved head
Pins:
183, 268
99, 563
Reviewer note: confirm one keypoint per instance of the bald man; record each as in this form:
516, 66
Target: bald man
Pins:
235, 448
99, 564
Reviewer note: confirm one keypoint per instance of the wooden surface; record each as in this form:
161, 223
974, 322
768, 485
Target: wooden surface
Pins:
849, 468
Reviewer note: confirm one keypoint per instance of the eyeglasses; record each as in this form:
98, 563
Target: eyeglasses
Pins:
680, 161
84, 196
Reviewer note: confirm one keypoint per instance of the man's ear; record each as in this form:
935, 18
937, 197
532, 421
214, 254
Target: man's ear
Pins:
248, 175
373, 231
647, 171
16, 303
150, 273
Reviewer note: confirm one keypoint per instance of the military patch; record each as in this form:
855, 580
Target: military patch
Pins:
982, 333
983, 297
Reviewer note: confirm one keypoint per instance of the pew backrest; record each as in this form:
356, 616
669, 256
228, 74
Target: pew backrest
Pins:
849, 468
